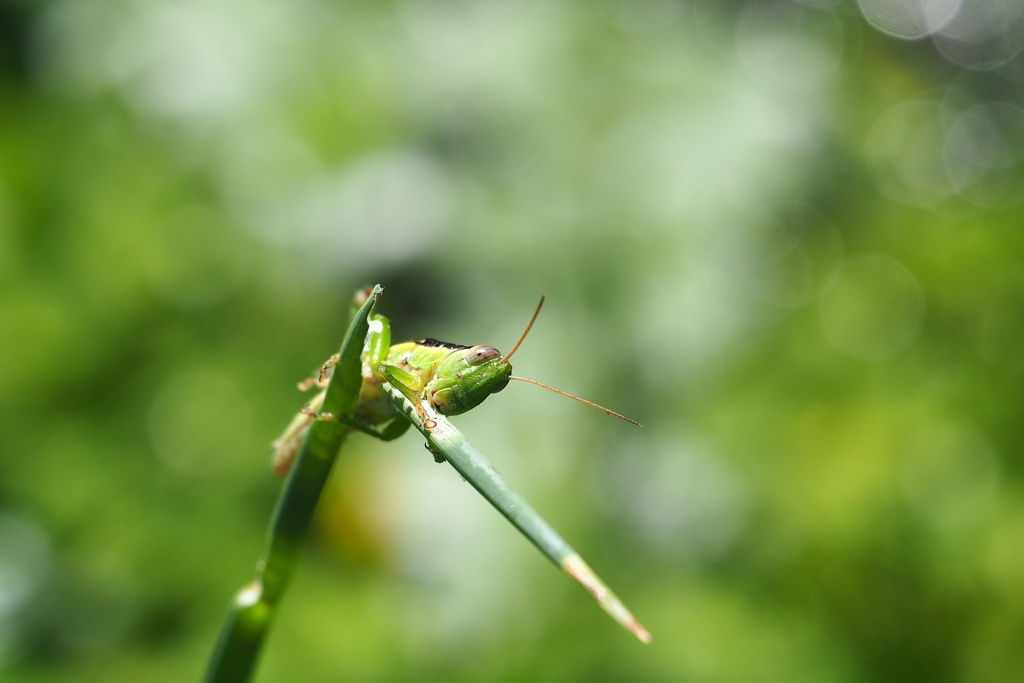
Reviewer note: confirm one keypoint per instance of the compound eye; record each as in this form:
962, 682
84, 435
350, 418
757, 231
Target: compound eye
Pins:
479, 354
500, 385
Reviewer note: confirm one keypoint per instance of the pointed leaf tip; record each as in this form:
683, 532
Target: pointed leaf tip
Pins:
575, 567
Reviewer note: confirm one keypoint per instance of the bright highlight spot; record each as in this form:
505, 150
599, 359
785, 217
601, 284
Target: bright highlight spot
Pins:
909, 19
983, 34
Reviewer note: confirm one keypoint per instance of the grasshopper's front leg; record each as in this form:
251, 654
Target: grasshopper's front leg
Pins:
286, 447
410, 386
375, 350
374, 357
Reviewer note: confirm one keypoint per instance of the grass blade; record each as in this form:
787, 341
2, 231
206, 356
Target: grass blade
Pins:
253, 608
478, 471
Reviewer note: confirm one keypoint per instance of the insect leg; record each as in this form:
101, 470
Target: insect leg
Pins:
395, 429
320, 381
314, 415
408, 385
438, 457
331, 362
286, 446
392, 431
378, 342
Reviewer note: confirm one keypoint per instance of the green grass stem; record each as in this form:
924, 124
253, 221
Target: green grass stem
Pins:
253, 608
450, 443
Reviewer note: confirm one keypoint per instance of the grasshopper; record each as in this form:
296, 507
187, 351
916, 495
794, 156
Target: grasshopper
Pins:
449, 378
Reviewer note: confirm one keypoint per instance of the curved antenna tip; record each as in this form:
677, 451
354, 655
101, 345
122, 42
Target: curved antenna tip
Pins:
527, 330
577, 398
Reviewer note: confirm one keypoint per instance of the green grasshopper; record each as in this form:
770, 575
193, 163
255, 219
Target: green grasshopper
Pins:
448, 378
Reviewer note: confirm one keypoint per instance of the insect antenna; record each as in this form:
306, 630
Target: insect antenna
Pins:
525, 332
577, 398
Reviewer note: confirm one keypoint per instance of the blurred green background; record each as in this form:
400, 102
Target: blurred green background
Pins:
786, 236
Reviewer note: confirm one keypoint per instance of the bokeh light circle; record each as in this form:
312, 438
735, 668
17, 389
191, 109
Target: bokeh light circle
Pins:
984, 153
909, 19
904, 149
983, 34
792, 260
873, 309
789, 46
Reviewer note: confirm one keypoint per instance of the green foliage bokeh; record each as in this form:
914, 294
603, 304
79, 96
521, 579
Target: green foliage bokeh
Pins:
774, 235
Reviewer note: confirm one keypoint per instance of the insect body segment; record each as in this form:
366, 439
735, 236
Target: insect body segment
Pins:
449, 378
